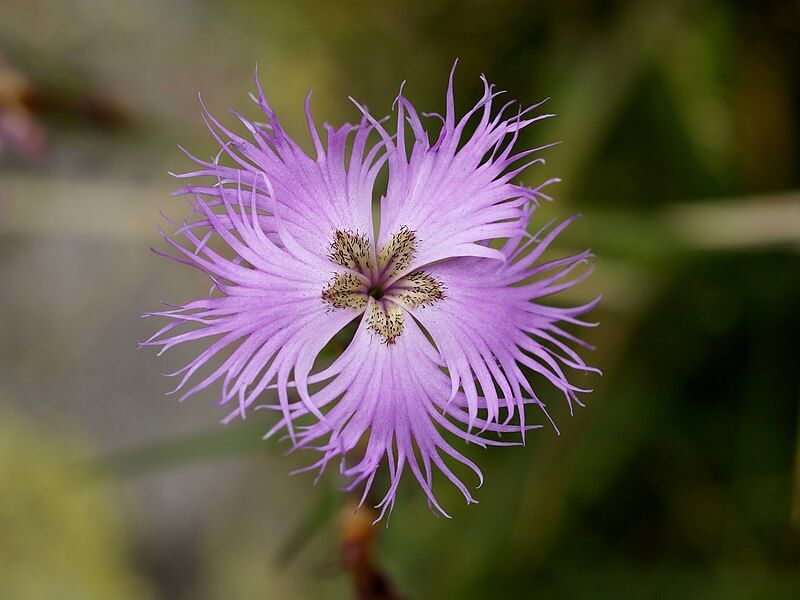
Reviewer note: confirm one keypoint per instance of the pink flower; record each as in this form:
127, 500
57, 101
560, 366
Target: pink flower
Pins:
447, 296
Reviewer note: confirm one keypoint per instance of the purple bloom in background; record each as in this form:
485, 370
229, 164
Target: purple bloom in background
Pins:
447, 295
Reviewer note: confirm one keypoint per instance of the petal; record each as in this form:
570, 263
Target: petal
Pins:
388, 403
269, 311
312, 196
487, 327
458, 191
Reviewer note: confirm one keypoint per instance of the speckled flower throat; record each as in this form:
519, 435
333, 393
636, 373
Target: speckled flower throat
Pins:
379, 282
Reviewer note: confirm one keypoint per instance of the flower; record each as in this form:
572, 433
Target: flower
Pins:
446, 295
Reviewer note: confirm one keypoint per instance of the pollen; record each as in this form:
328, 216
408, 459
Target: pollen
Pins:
386, 319
417, 289
380, 284
347, 290
396, 256
351, 250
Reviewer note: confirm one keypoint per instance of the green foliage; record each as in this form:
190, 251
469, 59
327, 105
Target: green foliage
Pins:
679, 122
61, 535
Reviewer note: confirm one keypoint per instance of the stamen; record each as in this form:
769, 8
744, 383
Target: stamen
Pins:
396, 256
351, 250
386, 319
346, 291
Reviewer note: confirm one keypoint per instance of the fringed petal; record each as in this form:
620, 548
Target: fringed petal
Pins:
489, 324
457, 192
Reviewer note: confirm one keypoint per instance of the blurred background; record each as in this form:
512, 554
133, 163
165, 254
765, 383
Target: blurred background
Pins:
680, 124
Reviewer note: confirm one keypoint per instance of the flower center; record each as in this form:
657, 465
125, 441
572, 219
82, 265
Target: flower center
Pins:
375, 291
379, 283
